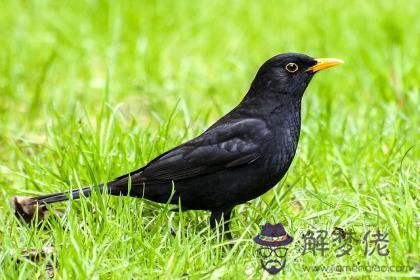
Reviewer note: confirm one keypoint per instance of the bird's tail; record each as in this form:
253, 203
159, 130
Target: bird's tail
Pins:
63, 196
27, 208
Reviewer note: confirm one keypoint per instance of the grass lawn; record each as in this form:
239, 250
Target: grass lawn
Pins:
90, 90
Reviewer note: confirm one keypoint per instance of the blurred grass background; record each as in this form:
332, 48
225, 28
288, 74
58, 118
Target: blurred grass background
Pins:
92, 89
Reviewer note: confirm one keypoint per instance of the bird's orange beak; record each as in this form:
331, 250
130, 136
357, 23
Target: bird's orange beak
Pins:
324, 63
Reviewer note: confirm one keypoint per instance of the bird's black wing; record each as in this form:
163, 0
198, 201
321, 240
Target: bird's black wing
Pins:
220, 147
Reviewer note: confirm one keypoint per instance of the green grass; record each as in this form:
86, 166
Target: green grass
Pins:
90, 90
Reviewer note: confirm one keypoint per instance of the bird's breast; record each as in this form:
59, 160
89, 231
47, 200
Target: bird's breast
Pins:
282, 148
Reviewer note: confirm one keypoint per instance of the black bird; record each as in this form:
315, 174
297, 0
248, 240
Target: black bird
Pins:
240, 157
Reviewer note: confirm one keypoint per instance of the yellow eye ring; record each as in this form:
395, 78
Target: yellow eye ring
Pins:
291, 67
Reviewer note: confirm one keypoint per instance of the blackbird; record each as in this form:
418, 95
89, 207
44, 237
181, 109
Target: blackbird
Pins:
240, 157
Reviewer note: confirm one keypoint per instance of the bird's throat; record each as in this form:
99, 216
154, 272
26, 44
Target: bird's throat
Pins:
285, 122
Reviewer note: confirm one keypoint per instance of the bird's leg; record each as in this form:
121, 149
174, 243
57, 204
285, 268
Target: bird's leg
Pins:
219, 215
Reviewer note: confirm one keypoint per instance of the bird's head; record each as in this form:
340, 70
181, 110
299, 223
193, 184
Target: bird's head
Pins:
288, 74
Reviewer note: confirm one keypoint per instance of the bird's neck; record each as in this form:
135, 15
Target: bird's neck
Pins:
285, 120
272, 106
282, 115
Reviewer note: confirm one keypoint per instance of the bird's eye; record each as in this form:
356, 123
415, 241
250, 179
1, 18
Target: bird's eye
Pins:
291, 67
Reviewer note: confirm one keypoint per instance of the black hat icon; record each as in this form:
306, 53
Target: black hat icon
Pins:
273, 235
